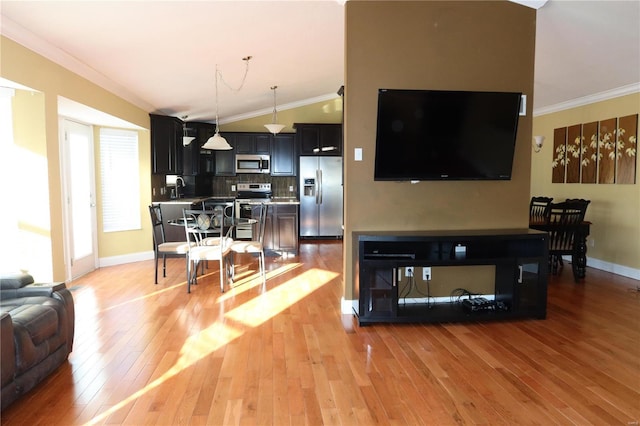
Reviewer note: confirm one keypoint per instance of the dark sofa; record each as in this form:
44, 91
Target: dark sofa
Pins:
37, 323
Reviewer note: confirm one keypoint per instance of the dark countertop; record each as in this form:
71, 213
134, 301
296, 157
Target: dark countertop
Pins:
196, 200
278, 200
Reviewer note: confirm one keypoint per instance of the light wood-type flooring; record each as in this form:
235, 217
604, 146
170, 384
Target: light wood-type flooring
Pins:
284, 355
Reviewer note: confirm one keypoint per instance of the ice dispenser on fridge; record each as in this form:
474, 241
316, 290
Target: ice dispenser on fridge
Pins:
309, 189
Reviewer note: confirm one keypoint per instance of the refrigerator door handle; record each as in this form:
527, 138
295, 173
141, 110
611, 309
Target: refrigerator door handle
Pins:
317, 186
320, 185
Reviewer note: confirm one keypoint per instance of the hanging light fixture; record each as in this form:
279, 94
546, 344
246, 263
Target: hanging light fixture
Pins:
186, 140
216, 141
274, 127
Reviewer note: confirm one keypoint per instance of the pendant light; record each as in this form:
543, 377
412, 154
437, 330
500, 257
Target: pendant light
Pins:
216, 141
273, 127
186, 140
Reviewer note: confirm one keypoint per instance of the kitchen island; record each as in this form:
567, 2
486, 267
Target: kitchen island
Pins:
281, 226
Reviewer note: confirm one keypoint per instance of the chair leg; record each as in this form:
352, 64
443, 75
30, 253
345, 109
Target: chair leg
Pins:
186, 267
164, 266
156, 273
222, 274
263, 270
188, 276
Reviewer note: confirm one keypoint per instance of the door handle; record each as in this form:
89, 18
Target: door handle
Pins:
320, 174
317, 186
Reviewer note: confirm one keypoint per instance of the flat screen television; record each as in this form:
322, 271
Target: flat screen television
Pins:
445, 135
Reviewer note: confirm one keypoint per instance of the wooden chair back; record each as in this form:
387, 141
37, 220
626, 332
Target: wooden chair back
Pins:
539, 209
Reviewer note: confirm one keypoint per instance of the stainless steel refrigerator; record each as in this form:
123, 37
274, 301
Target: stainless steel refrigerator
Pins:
320, 196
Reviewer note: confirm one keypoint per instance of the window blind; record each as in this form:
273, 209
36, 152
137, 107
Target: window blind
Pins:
119, 176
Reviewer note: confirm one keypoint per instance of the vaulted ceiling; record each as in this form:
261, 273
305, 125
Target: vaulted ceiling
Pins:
162, 55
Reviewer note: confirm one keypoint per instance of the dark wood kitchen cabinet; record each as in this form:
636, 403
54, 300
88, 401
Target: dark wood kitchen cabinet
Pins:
283, 155
281, 227
319, 139
166, 144
285, 228
252, 143
198, 160
226, 160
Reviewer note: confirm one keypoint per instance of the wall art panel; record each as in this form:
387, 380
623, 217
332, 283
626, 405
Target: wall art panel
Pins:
606, 151
589, 152
626, 149
574, 143
559, 148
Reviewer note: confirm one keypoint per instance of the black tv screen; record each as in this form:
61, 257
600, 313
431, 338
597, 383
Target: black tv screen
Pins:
445, 135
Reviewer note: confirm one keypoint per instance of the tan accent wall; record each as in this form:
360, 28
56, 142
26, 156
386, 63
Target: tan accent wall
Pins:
615, 208
474, 45
25, 67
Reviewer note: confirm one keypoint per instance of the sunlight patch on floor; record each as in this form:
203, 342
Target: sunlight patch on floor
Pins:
268, 305
249, 279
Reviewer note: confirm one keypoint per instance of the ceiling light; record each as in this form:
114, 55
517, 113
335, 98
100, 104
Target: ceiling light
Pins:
274, 127
186, 140
216, 141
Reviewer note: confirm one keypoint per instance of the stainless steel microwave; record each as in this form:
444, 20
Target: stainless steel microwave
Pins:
253, 163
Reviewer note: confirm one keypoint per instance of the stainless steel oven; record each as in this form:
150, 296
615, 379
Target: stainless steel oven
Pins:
250, 163
248, 195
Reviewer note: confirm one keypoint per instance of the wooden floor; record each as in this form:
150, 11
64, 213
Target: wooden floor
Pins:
284, 355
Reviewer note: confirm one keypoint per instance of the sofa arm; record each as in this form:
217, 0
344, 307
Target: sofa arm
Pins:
7, 350
65, 296
14, 280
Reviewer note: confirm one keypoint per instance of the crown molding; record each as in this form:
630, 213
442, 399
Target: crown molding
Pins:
31, 41
283, 107
589, 99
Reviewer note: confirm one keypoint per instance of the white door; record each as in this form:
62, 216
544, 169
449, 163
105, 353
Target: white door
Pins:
80, 199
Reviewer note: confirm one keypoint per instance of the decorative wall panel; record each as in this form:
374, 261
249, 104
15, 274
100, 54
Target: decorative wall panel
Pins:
606, 151
589, 152
572, 157
559, 149
626, 149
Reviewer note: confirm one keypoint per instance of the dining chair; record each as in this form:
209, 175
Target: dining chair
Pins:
563, 225
160, 246
539, 209
200, 225
581, 202
255, 246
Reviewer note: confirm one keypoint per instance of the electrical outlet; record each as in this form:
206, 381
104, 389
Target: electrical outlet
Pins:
408, 271
153, 192
593, 242
233, 188
291, 188
426, 273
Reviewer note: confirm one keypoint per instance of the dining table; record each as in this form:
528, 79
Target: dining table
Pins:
579, 255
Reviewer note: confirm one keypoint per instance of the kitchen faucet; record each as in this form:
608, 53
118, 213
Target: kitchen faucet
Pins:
179, 184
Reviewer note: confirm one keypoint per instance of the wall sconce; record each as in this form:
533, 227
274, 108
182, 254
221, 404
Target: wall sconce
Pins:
537, 143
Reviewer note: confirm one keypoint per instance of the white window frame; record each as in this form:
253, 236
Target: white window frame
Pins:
119, 180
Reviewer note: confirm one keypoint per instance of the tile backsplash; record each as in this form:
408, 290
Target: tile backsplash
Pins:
279, 184
222, 186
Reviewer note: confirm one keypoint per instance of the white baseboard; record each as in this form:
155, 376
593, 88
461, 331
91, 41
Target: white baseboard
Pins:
625, 271
348, 307
125, 258
351, 306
